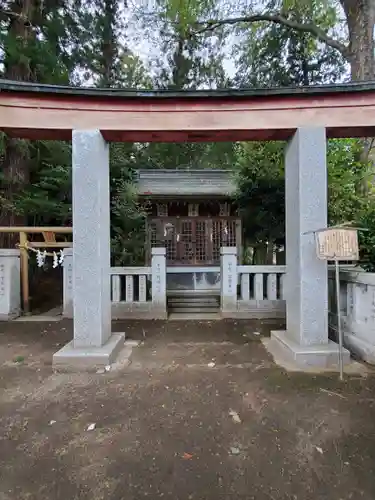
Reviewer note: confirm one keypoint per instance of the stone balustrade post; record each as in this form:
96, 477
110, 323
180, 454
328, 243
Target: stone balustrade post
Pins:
159, 282
68, 283
10, 284
228, 273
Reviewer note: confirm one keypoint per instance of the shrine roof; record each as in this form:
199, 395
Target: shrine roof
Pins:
185, 182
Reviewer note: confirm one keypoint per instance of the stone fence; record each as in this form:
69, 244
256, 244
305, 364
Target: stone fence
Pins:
136, 292
10, 290
250, 291
141, 292
246, 292
357, 301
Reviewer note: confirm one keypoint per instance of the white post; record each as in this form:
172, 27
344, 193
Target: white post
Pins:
10, 290
228, 275
68, 283
159, 282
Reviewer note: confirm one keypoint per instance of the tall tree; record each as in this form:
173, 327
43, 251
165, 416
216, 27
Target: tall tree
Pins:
102, 28
277, 55
357, 48
26, 55
184, 63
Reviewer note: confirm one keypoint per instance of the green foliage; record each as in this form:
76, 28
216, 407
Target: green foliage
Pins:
276, 55
345, 173
47, 199
128, 226
261, 192
89, 42
367, 238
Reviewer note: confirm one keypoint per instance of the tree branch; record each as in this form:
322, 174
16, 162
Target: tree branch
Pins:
9, 14
277, 19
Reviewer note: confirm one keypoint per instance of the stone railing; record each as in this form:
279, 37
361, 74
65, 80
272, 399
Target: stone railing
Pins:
136, 292
10, 293
251, 291
357, 300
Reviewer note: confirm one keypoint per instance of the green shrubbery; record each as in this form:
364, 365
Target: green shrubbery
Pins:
367, 238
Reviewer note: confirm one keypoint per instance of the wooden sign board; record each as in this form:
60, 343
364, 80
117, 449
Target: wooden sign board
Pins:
337, 244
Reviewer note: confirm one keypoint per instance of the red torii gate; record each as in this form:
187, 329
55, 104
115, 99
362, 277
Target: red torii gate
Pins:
93, 117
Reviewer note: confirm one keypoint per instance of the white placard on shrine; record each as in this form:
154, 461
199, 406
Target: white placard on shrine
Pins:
337, 244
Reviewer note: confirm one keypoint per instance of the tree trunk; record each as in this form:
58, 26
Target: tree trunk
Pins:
360, 15
260, 254
15, 167
270, 251
109, 42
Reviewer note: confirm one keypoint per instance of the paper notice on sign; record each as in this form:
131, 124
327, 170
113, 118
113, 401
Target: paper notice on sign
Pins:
337, 244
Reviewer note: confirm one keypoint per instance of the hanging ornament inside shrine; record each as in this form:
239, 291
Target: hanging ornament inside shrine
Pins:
40, 258
58, 258
61, 257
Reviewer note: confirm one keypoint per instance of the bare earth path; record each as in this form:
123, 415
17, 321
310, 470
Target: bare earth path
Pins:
171, 426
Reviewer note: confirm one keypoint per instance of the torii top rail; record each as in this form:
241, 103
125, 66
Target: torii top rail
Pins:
36, 111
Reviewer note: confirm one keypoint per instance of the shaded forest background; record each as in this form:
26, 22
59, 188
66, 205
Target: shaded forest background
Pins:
185, 44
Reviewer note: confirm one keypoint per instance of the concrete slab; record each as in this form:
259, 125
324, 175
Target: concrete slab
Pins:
190, 316
87, 358
42, 318
291, 355
54, 314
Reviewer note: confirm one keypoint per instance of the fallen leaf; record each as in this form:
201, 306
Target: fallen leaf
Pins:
235, 416
235, 451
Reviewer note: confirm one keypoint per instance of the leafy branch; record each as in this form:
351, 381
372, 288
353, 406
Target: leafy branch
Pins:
277, 19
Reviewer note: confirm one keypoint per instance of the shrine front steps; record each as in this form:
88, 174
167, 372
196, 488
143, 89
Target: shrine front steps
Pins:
195, 306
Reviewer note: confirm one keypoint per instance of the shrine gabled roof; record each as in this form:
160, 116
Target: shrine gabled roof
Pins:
185, 182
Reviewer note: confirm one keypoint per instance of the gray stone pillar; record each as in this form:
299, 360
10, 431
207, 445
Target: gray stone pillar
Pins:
92, 343
306, 287
306, 211
228, 277
91, 239
10, 291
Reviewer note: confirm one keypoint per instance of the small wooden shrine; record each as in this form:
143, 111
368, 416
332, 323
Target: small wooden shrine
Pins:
192, 214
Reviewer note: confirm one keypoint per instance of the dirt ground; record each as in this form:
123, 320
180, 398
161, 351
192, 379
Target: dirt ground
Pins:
171, 425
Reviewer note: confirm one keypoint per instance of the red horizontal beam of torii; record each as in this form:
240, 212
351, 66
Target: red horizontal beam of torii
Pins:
35, 111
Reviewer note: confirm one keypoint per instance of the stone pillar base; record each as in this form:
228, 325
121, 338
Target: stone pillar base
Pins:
293, 356
88, 358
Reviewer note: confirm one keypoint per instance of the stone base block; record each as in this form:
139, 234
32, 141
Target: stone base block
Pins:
291, 355
8, 317
88, 358
360, 348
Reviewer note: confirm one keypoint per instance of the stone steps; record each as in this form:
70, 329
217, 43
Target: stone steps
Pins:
195, 306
